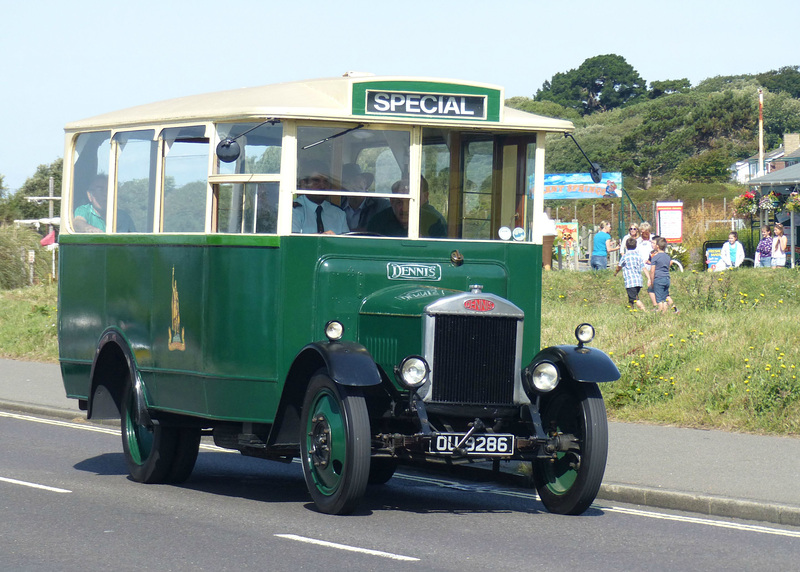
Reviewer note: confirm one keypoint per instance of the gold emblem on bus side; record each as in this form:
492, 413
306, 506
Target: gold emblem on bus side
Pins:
176, 341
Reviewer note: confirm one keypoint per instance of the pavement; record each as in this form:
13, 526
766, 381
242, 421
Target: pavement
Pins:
714, 473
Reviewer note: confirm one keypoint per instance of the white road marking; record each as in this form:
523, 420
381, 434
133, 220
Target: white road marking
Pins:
445, 484
704, 521
348, 548
68, 424
34, 485
93, 428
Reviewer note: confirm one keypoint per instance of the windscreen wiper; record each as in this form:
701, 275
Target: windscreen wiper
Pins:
333, 136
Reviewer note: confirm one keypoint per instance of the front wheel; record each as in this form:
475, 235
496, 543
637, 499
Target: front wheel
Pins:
569, 483
335, 443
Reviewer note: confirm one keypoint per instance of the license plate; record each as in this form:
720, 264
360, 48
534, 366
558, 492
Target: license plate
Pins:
484, 445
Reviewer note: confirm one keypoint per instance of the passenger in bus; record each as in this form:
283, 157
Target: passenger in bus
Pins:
394, 220
359, 210
438, 224
90, 217
314, 214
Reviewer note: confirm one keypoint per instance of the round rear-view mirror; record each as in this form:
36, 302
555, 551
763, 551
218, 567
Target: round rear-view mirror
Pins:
228, 150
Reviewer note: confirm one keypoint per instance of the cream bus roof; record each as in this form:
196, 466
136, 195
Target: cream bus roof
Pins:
331, 98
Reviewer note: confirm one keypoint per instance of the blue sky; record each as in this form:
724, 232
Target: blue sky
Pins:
63, 61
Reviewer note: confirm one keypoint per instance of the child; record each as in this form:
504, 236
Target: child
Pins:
647, 266
659, 275
631, 265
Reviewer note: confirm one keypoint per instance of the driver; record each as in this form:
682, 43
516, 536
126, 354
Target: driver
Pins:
314, 214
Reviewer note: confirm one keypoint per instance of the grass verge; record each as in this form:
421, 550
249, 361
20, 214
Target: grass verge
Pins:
28, 318
729, 360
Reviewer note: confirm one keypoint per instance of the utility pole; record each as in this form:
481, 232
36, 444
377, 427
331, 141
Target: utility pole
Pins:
760, 132
50, 203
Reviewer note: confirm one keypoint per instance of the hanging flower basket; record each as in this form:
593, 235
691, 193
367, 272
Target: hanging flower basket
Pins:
792, 203
745, 204
768, 202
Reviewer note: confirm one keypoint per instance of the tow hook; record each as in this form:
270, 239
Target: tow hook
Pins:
477, 425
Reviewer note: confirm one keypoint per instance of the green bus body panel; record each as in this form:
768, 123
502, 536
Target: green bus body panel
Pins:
248, 304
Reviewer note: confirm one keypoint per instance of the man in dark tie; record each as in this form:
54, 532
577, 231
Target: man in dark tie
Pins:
314, 213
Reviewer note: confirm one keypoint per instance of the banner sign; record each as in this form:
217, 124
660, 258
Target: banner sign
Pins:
580, 186
669, 221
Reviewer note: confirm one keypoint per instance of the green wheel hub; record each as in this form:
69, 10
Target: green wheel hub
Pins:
326, 442
139, 437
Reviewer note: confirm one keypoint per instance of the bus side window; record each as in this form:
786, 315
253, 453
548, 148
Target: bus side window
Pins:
136, 181
247, 208
185, 176
90, 172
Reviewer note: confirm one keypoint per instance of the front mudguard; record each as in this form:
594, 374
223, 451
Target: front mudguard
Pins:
347, 363
580, 363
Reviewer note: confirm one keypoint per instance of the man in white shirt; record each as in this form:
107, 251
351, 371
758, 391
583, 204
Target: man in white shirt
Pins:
314, 214
359, 210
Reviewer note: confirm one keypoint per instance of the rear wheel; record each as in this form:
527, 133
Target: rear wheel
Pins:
155, 453
335, 444
569, 483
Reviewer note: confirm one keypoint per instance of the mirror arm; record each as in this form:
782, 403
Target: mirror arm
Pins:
594, 168
229, 142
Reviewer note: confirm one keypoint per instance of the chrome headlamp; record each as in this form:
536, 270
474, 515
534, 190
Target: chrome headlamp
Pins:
412, 372
543, 377
584, 334
334, 331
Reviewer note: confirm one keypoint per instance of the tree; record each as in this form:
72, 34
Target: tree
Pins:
17, 206
785, 79
546, 108
659, 88
781, 115
600, 83
707, 167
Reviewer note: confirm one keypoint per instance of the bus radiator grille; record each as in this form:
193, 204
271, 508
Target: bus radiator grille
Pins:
473, 359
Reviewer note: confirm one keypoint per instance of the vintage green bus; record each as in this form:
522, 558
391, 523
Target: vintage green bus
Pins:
340, 270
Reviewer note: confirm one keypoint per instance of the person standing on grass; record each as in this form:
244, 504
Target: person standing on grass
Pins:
631, 265
645, 249
779, 247
633, 232
648, 265
602, 245
764, 248
659, 275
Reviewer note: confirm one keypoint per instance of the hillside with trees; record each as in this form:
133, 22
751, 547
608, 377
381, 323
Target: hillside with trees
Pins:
667, 130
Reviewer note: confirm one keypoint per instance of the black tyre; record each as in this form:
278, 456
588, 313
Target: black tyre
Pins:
155, 453
186, 449
569, 484
381, 470
335, 444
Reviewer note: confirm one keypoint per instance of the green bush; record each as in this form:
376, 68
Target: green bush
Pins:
15, 244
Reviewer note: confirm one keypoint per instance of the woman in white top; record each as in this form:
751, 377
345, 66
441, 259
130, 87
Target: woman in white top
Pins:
633, 232
779, 247
644, 247
732, 254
